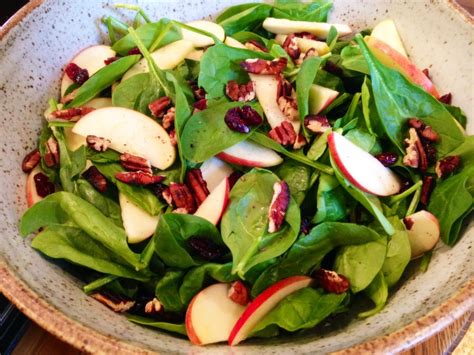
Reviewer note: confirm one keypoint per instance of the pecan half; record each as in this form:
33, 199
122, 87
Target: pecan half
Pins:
135, 163
278, 206
197, 184
446, 99
240, 119
427, 188
162, 192
72, 114
99, 144
138, 178
312, 52
30, 161
262, 66
254, 45
387, 158
289, 107
423, 130
173, 140
331, 281
153, 307
43, 186
51, 158
447, 165
284, 134
115, 302
290, 45
414, 157
204, 248
168, 118
242, 92
285, 88
199, 93
182, 197
96, 179
239, 293
158, 107
316, 123
76, 73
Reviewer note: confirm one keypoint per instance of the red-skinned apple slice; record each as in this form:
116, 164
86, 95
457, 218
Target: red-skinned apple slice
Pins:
305, 44
211, 315
138, 224
263, 304
319, 29
393, 59
320, 98
213, 207
214, 171
387, 32
31, 194
131, 132
91, 58
423, 232
362, 169
250, 154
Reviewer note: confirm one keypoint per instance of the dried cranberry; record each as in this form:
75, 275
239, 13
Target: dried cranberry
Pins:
446, 99
133, 51
43, 186
240, 118
233, 178
200, 104
110, 60
76, 73
96, 179
306, 225
447, 165
250, 116
204, 248
387, 159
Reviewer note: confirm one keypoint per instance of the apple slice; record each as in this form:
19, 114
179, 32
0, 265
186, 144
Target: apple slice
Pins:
138, 224
362, 169
213, 171
167, 57
423, 232
250, 154
129, 132
266, 89
320, 98
393, 59
319, 29
91, 58
305, 44
211, 315
263, 304
232, 42
213, 207
195, 55
386, 31
200, 40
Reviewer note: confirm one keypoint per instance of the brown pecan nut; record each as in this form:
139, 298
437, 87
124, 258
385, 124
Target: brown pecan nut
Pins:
331, 281
72, 114
96, 179
278, 206
159, 106
99, 144
447, 165
135, 163
115, 302
43, 186
289, 107
196, 183
138, 178
312, 52
240, 119
316, 123
30, 161
182, 197
173, 140
51, 158
239, 293
427, 188
153, 307
387, 158
284, 134
423, 130
168, 118
262, 66
242, 92
254, 45
290, 45
285, 88
415, 154
446, 99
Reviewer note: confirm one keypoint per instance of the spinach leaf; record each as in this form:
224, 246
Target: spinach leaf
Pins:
353, 59
245, 222
397, 100
243, 17
377, 291
45, 134
206, 133
246, 36
308, 251
73, 244
361, 137
314, 11
109, 156
167, 290
328, 80
170, 327
457, 113
398, 253
102, 80
298, 178
98, 283
129, 93
369, 110
172, 233
332, 200
318, 147
361, 263
302, 309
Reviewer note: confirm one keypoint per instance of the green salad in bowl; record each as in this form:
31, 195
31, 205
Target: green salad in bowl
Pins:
249, 176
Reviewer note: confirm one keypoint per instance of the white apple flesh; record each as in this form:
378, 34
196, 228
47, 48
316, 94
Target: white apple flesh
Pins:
362, 169
232, 42
213, 207
263, 304
91, 58
200, 40
320, 98
138, 224
214, 171
211, 315
195, 55
305, 44
129, 132
250, 154
387, 32
319, 29
423, 232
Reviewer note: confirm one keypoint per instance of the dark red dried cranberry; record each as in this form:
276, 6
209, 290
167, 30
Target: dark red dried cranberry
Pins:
199, 93
133, 51
427, 188
43, 186
234, 120
200, 104
110, 60
250, 116
332, 68
387, 159
446, 99
447, 165
96, 179
76, 73
205, 248
233, 178
306, 225
430, 151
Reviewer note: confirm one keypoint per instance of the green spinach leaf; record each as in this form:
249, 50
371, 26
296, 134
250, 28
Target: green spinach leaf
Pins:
170, 327
244, 17
298, 178
167, 290
332, 200
377, 291
398, 253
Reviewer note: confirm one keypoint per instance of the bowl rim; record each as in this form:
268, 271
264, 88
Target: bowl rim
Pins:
86, 339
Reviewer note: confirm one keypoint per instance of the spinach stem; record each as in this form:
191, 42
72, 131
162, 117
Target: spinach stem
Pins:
240, 268
147, 253
135, 8
94, 285
197, 30
404, 194
414, 201
117, 25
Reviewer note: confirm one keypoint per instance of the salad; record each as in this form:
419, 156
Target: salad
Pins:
247, 177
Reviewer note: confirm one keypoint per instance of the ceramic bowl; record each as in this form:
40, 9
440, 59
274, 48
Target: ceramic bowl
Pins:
34, 46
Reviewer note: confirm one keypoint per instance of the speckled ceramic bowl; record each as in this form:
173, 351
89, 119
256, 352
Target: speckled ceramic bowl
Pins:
43, 36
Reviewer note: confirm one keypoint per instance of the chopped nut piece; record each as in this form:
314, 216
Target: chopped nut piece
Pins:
196, 183
158, 107
316, 123
168, 118
262, 66
199, 93
182, 197
312, 52
138, 178
135, 163
173, 140
242, 93
99, 144
154, 306
96, 179
290, 45
254, 45
289, 107
427, 188
387, 159
412, 157
30, 161
284, 134
331, 281
300, 142
51, 158
278, 206
423, 130
116, 303
447, 165
239, 293
43, 186
71, 114
285, 88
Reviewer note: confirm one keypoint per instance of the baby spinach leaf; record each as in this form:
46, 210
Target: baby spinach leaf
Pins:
172, 233
170, 327
102, 80
245, 222
361, 263
243, 17
246, 36
109, 156
361, 137
45, 134
377, 291
298, 178
309, 250
369, 110
319, 145
332, 200
167, 290
397, 100
353, 59
328, 80
206, 133
302, 309
314, 11
129, 93
457, 113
